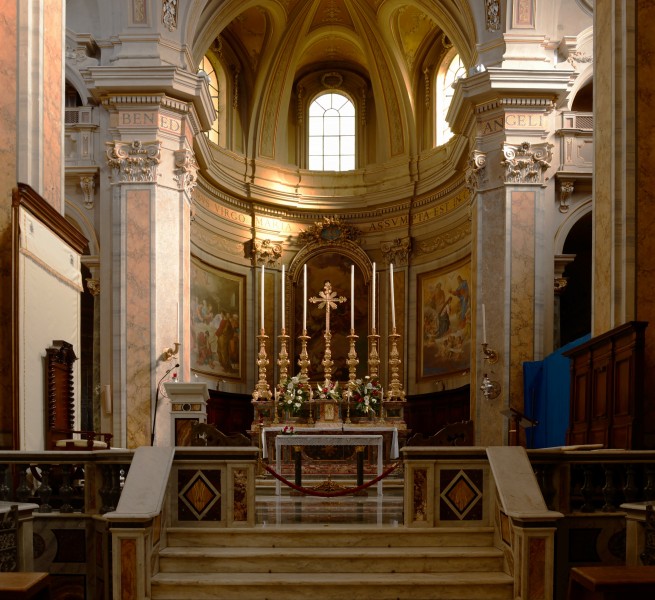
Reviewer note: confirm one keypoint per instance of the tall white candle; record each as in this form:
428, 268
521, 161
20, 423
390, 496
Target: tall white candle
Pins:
262, 301
282, 296
177, 321
352, 296
373, 294
484, 325
304, 299
393, 301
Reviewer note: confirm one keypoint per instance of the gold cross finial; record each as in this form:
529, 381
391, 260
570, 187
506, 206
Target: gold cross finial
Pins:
328, 300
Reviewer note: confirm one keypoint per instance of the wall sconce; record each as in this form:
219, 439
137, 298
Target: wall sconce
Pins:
489, 354
490, 389
169, 353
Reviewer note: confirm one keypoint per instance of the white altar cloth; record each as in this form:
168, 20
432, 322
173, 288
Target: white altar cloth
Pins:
353, 430
327, 440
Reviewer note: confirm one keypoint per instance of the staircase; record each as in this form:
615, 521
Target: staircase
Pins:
331, 563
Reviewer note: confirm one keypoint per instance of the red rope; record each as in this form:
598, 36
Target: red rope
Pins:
345, 492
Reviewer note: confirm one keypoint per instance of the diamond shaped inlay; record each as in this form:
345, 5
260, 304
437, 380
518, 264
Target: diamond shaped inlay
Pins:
461, 494
199, 495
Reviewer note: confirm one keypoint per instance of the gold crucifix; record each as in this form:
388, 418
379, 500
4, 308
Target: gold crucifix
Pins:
328, 300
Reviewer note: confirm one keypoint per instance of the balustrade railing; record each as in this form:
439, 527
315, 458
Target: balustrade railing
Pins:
594, 481
65, 482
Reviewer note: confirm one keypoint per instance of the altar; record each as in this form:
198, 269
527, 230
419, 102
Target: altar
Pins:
389, 449
300, 441
320, 408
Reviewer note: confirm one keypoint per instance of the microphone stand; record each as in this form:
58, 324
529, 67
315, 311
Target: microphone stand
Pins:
154, 418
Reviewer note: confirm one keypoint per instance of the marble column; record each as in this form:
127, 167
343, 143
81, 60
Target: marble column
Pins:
147, 182
507, 177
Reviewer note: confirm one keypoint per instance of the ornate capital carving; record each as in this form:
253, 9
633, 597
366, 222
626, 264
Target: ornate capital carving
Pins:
186, 170
169, 14
93, 285
398, 251
475, 170
566, 191
575, 56
88, 184
133, 162
265, 252
526, 162
493, 14
560, 285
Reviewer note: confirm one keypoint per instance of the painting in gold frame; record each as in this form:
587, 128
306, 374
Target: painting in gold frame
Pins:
217, 321
444, 321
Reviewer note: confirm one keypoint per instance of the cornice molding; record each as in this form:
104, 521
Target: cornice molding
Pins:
23, 195
147, 84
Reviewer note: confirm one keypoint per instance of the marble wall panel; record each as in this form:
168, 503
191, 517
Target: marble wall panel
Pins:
603, 165
137, 315
522, 290
8, 72
53, 105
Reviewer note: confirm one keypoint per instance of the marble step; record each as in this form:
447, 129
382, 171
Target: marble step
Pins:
332, 586
310, 536
343, 560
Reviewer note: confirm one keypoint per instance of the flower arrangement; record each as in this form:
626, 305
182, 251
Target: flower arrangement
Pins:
288, 430
293, 393
366, 395
328, 391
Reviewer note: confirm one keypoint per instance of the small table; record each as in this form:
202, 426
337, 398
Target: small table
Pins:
24, 586
611, 582
322, 440
393, 446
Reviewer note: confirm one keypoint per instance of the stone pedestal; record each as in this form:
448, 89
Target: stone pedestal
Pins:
188, 407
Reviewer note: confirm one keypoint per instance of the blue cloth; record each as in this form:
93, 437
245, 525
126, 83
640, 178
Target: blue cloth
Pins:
547, 390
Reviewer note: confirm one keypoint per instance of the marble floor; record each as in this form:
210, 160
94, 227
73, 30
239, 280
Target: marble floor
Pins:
291, 509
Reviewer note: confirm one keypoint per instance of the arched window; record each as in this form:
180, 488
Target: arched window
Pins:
450, 71
208, 68
332, 133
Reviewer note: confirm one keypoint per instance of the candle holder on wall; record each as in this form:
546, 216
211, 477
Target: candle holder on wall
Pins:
489, 354
169, 353
490, 389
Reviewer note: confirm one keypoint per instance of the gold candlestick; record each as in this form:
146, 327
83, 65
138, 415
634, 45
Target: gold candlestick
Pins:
352, 361
373, 356
283, 358
262, 387
303, 363
395, 386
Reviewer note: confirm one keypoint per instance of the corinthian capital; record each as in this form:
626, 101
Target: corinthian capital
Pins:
186, 170
133, 162
397, 251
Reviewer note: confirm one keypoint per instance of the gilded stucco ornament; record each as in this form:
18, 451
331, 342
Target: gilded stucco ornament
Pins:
332, 230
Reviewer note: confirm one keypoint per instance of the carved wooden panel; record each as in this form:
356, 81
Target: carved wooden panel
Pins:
60, 400
608, 405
